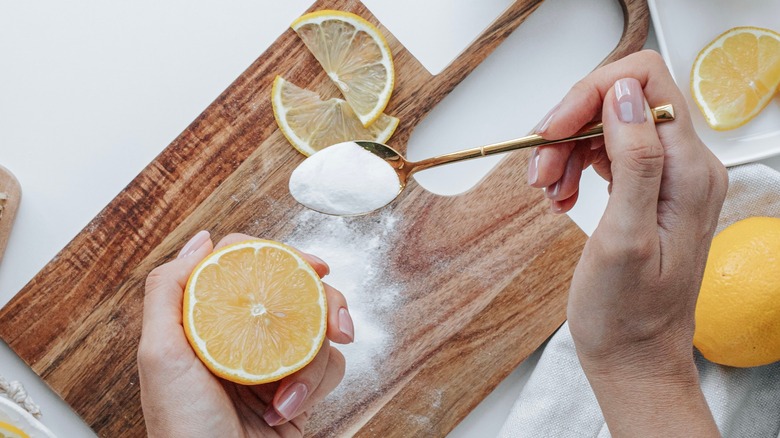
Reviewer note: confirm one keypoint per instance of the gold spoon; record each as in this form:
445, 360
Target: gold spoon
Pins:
331, 193
405, 168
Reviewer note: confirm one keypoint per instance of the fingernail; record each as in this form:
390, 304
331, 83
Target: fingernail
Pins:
545, 122
321, 262
272, 417
533, 167
196, 242
553, 190
556, 207
345, 324
291, 400
629, 101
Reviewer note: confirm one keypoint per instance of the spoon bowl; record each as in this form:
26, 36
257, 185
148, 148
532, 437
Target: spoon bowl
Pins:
392, 157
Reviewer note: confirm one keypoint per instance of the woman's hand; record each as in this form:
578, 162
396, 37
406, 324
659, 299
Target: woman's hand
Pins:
633, 295
181, 398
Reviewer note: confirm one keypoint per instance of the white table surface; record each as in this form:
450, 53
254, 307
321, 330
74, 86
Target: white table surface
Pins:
92, 92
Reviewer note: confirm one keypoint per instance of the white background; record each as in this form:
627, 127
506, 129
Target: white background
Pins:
92, 91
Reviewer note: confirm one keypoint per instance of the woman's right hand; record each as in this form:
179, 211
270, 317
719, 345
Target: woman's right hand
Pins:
633, 295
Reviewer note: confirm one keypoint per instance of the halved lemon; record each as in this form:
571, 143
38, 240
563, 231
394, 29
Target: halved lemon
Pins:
356, 57
311, 124
255, 312
736, 75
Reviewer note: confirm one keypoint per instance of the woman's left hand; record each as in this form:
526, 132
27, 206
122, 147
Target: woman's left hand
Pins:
181, 397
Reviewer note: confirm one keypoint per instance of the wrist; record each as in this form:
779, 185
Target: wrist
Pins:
639, 371
645, 395
659, 358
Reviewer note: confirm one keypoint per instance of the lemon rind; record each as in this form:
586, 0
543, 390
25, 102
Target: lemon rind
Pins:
303, 146
360, 23
709, 115
199, 344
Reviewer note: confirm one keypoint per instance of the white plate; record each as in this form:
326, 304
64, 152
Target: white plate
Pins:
13, 414
683, 28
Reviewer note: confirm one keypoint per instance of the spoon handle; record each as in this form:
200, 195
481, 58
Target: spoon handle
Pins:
663, 113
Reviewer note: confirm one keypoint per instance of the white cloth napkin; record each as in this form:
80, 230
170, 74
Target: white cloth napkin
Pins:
557, 401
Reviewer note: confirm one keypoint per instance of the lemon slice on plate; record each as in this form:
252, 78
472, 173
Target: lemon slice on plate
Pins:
736, 75
11, 431
255, 312
312, 124
356, 57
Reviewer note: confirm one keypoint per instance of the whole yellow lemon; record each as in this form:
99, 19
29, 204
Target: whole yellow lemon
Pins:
738, 311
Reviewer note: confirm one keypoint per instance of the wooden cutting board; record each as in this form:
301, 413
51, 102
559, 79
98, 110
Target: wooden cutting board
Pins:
449, 293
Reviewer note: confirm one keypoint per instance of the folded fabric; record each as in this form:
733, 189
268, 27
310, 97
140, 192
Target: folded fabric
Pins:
557, 401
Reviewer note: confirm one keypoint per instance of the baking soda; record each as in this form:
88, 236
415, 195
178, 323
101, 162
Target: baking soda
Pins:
344, 179
356, 251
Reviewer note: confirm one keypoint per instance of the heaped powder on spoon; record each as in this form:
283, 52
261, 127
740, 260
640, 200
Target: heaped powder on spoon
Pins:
344, 179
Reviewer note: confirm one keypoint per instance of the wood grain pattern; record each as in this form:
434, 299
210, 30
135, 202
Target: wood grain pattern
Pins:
10, 196
478, 280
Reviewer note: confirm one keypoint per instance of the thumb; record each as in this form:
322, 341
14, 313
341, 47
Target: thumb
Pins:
165, 285
637, 157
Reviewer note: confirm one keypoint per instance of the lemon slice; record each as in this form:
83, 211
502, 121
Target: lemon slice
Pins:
16, 422
11, 431
312, 124
255, 312
356, 57
735, 76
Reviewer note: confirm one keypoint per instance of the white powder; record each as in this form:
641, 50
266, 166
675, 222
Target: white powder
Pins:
344, 179
356, 250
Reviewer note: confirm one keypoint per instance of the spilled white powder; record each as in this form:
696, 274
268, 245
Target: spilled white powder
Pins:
344, 179
355, 248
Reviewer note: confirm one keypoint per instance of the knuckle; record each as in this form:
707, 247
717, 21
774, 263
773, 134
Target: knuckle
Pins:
147, 356
636, 249
706, 185
337, 361
585, 87
641, 248
644, 159
303, 416
720, 181
623, 246
155, 278
652, 58
157, 353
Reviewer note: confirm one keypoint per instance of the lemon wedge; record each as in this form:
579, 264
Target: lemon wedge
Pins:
736, 75
311, 124
356, 57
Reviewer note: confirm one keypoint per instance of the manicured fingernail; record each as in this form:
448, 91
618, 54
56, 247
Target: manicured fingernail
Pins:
321, 262
556, 207
291, 400
545, 122
533, 167
272, 417
196, 242
345, 324
629, 101
553, 190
